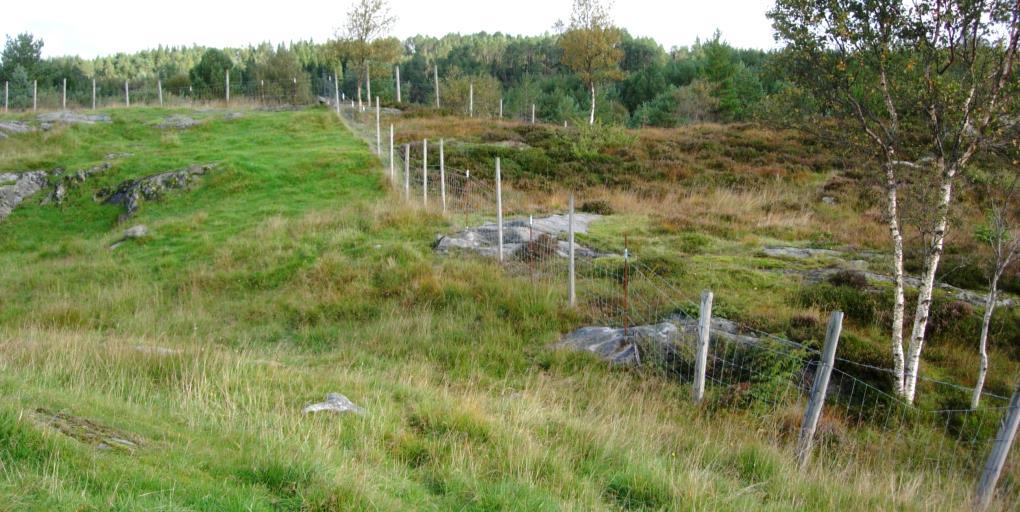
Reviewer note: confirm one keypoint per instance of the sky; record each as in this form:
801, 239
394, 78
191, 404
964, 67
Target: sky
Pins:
91, 28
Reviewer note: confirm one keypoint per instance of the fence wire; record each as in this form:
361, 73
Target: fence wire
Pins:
863, 425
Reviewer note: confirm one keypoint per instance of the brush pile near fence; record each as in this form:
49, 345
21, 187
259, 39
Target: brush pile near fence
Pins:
804, 396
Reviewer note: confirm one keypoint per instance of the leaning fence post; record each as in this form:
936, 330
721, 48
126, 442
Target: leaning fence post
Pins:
571, 290
393, 174
159, 87
817, 400
1000, 450
63, 97
442, 175
407, 172
425, 172
435, 77
336, 93
704, 335
378, 129
499, 209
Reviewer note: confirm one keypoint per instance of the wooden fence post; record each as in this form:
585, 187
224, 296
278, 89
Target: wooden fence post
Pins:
63, 97
7, 95
425, 172
336, 93
397, 69
368, 83
93, 94
407, 172
704, 337
442, 175
501, 108
378, 129
435, 77
499, 209
127, 94
571, 290
471, 99
1000, 450
227, 87
532, 113
393, 173
35, 95
817, 400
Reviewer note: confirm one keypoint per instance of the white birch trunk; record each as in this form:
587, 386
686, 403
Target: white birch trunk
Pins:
892, 210
924, 293
986, 321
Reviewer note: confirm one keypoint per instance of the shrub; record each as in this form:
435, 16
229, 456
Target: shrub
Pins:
946, 317
541, 248
598, 206
856, 304
850, 279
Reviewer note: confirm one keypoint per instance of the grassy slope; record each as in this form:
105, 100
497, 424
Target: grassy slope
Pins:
289, 273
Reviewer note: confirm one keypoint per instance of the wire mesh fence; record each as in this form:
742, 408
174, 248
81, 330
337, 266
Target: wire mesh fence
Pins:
863, 424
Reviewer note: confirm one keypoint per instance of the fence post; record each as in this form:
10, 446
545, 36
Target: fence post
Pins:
571, 290
378, 129
397, 68
425, 172
63, 97
435, 77
7, 95
336, 93
471, 99
93, 94
532, 113
294, 96
501, 108
1000, 450
704, 335
35, 95
368, 83
499, 209
407, 172
227, 89
159, 87
817, 400
127, 94
393, 174
443, 174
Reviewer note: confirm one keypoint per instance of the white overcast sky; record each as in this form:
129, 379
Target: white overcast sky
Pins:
101, 27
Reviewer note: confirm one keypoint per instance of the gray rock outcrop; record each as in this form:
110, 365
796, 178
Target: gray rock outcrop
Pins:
517, 234
71, 180
131, 193
48, 119
131, 233
16, 187
13, 128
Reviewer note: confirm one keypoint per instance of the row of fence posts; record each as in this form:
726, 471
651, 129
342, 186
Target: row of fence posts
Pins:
819, 389
127, 93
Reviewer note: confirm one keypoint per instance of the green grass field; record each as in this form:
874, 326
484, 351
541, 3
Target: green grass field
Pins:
291, 272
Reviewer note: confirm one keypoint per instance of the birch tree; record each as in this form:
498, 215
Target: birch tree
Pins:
591, 47
1002, 234
367, 22
923, 82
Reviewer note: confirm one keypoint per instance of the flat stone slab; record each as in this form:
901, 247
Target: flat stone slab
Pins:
971, 297
334, 402
87, 431
66, 117
178, 123
484, 239
13, 128
800, 252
